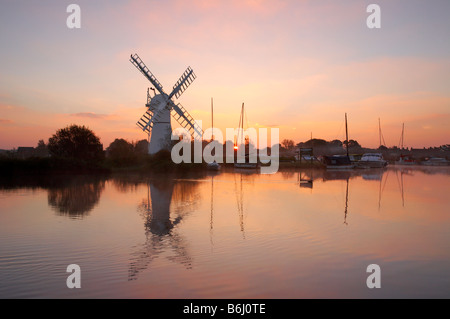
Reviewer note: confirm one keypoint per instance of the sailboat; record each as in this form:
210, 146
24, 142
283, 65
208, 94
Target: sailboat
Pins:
214, 166
374, 160
404, 159
243, 143
340, 161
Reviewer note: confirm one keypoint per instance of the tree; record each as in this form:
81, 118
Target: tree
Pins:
316, 142
141, 148
288, 144
76, 142
121, 152
41, 149
337, 143
353, 143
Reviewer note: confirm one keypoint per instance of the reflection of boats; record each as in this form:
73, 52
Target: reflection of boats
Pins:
340, 161
372, 160
346, 204
436, 161
247, 161
332, 175
246, 164
240, 203
372, 174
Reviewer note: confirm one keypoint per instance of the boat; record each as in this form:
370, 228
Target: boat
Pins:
372, 160
247, 164
340, 161
354, 158
404, 159
214, 166
436, 161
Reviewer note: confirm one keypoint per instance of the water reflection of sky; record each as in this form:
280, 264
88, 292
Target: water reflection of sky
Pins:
288, 235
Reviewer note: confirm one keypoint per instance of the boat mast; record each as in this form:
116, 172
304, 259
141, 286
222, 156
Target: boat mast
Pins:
379, 130
240, 129
241, 122
346, 133
212, 120
403, 132
380, 133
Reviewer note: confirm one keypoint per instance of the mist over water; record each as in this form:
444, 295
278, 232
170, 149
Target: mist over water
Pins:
233, 234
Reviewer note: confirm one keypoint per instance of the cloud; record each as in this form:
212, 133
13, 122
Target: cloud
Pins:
90, 115
5, 122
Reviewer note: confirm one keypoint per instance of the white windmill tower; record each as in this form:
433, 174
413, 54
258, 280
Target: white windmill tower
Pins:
156, 121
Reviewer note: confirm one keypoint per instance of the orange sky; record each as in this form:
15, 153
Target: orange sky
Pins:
297, 65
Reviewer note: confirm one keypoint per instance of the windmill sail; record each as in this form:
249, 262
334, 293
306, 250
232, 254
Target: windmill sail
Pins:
140, 65
186, 121
147, 120
183, 83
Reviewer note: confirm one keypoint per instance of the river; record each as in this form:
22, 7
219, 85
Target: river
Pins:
229, 234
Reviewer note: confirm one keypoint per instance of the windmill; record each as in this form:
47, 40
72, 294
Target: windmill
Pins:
156, 120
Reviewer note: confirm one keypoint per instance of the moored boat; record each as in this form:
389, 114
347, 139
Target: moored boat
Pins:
405, 160
214, 166
248, 160
436, 161
338, 162
372, 160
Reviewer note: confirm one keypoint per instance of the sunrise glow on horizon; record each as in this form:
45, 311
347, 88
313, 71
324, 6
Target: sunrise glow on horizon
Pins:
296, 65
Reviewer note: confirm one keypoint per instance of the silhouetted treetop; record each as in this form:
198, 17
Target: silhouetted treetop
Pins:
121, 152
76, 142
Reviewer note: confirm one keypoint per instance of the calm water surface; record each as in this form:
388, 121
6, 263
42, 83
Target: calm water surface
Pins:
293, 234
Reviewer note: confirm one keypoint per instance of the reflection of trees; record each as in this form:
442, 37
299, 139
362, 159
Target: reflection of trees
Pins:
287, 174
68, 195
127, 183
76, 196
167, 203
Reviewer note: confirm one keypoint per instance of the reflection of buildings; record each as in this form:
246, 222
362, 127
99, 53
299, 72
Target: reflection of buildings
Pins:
306, 179
167, 203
